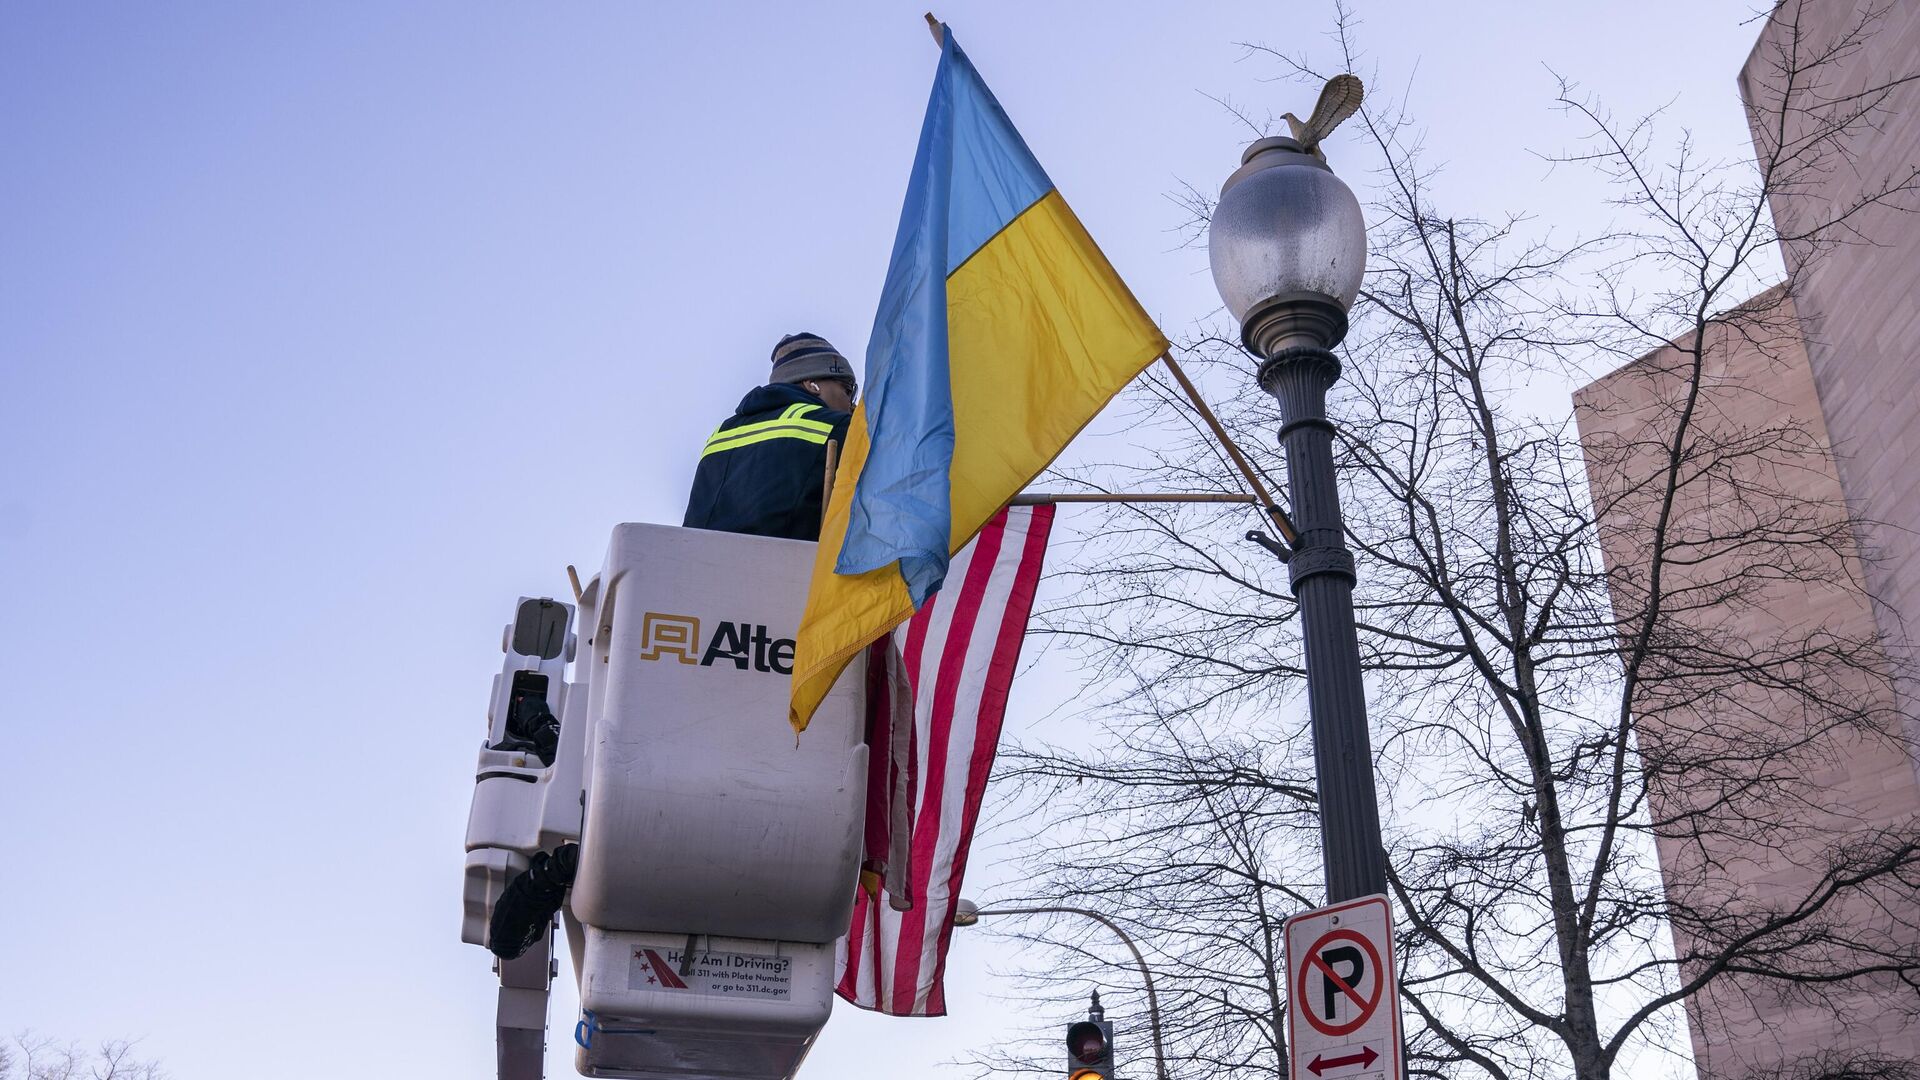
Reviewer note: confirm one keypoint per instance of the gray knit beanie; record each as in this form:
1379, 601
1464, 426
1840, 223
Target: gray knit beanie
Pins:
800, 357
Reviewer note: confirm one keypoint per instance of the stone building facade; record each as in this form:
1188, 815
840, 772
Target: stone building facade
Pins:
1818, 385
1859, 301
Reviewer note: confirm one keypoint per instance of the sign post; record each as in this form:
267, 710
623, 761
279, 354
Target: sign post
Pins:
1343, 1006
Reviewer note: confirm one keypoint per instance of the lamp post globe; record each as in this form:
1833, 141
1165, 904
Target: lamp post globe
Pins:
1288, 248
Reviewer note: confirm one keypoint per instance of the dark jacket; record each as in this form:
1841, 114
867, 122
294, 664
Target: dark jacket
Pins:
763, 470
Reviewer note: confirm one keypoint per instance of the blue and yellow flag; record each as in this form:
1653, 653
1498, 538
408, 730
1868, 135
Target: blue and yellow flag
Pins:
1002, 330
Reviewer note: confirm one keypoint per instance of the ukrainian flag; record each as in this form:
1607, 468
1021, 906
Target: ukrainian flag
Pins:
1001, 331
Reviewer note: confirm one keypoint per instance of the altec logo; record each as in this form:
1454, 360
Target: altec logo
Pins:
744, 645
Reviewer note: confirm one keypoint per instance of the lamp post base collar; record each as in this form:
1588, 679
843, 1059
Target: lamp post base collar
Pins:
1309, 561
1318, 365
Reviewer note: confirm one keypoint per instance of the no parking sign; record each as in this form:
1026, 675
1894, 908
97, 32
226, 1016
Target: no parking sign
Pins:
1343, 1009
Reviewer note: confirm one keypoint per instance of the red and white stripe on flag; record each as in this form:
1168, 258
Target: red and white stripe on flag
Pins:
957, 657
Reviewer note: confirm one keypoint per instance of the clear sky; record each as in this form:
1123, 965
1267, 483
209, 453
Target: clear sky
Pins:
326, 330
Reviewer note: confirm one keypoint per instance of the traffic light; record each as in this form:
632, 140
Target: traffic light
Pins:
1090, 1045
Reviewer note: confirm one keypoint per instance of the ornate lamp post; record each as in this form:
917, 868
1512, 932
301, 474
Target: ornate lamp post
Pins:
1288, 246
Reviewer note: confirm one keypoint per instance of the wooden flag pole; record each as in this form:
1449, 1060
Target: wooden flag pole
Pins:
826, 486
1280, 519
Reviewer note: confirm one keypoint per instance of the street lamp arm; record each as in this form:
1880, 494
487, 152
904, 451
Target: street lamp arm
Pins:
1146, 973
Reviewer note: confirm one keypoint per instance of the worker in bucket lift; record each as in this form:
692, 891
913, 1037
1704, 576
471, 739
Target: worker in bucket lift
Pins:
763, 472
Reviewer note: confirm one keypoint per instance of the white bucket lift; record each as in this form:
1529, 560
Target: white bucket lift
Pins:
718, 854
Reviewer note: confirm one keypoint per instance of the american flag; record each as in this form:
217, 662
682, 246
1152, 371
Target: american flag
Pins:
937, 691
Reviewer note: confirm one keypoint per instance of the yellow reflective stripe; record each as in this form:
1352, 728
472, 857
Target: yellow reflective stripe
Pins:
788, 425
762, 425
783, 431
729, 434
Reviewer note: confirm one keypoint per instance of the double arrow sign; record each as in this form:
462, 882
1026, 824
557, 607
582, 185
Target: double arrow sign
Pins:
1364, 1058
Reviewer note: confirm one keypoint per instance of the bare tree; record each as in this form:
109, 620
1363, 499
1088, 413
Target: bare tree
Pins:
1598, 709
40, 1057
